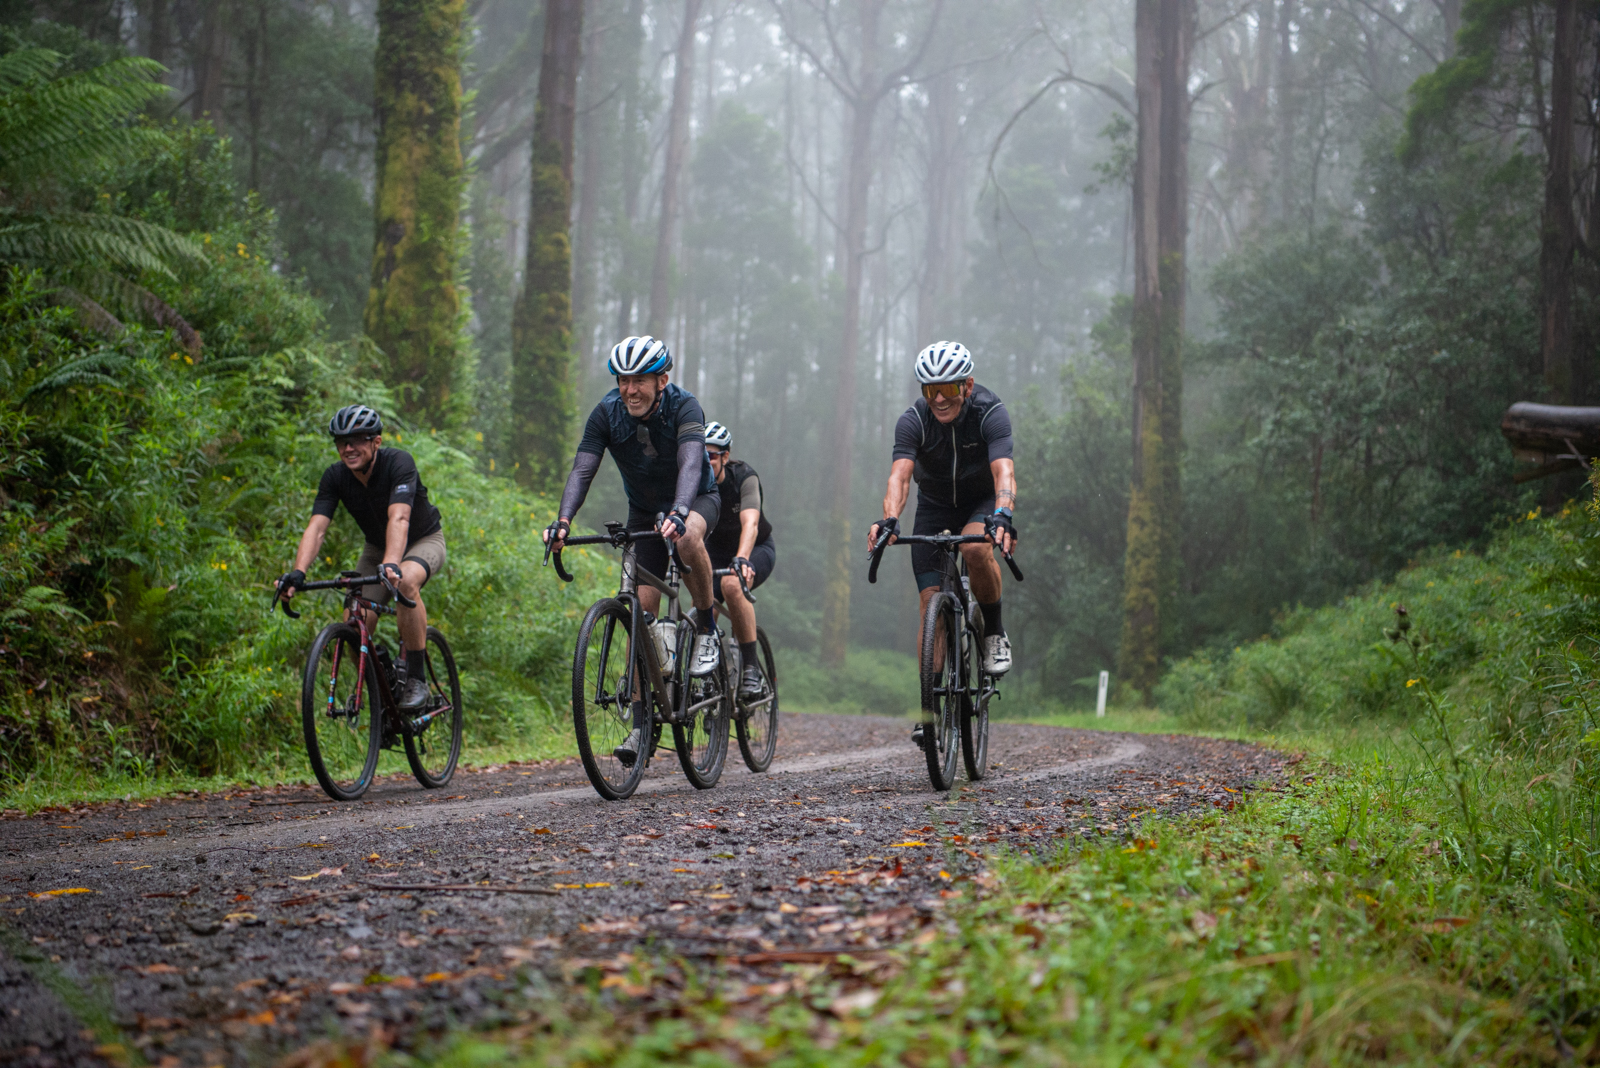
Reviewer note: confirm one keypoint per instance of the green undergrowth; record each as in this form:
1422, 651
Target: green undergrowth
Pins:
877, 682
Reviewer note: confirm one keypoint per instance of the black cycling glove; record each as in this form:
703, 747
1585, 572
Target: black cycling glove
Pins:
999, 522
390, 575
557, 531
739, 564
292, 580
888, 527
678, 521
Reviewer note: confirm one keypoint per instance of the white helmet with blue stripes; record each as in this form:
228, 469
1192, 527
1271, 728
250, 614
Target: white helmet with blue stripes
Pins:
718, 436
640, 356
944, 361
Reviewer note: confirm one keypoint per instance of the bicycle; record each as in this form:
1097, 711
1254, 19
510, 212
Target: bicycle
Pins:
644, 688
756, 722
956, 690
335, 717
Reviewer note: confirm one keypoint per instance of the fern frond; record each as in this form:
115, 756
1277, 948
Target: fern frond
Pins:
96, 368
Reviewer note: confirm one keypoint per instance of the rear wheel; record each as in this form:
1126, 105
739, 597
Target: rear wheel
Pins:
758, 722
941, 688
338, 711
975, 710
603, 678
433, 738
701, 735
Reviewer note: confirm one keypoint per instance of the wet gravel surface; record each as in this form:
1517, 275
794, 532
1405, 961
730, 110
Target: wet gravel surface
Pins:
226, 928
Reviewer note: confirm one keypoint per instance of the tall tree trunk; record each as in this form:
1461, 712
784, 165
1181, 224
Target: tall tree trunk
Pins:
677, 149
413, 307
541, 335
1558, 237
1286, 102
1164, 34
633, 28
944, 131
157, 17
257, 72
590, 124
860, 113
211, 64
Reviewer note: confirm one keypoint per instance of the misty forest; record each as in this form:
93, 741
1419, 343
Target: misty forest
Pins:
1256, 279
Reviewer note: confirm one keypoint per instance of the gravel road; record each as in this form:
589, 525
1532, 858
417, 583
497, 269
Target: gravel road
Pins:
225, 928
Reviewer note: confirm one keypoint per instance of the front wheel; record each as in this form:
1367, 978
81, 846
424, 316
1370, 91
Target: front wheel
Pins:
757, 721
975, 710
604, 678
941, 688
338, 709
433, 738
700, 729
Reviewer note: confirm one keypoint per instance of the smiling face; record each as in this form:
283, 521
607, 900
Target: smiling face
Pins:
945, 403
719, 459
639, 392
358, 452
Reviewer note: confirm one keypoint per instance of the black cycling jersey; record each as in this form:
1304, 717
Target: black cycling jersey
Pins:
392, 480
740, 488
952, 460
653, 455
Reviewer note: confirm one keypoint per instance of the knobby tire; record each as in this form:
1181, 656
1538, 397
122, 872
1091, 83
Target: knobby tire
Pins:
433, 751
702, 740
941, 688
343, 734
975, 710
758, 731
604, 657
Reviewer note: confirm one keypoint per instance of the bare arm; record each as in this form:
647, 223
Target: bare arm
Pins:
894, 497
396, 537
310, 545
749, 527
1005, 483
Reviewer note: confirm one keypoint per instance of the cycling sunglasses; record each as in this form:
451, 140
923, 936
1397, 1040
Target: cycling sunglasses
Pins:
355, 439
716, 454
952, 390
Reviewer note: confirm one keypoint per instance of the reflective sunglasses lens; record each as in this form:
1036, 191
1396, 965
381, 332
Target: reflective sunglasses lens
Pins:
951, 390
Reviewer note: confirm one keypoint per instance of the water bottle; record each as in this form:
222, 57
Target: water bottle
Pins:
666, 635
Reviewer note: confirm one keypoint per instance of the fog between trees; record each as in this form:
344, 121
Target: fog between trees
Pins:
859, 179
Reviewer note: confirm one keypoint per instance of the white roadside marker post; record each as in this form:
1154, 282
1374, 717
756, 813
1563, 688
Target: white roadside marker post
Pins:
1100, 702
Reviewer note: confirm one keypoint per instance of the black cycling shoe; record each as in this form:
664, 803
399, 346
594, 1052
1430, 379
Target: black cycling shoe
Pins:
918, 737
414, 695
752, 685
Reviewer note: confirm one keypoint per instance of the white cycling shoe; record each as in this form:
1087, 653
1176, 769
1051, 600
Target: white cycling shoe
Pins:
997, 654
707, 654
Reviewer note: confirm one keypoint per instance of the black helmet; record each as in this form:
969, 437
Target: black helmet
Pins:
353, 420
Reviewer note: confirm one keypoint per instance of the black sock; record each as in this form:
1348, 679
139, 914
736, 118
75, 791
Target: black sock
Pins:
705, 622
991, 618
748, 653
416, 666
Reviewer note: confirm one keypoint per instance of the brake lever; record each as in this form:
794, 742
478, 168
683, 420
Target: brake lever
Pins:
383, 576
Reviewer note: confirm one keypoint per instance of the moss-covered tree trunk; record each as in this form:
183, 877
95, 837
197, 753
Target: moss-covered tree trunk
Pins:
542, 402
1164, 35
413, 306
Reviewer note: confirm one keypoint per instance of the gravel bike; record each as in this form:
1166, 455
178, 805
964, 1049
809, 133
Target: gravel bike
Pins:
349, 697
620, 685
756, 722
956, 690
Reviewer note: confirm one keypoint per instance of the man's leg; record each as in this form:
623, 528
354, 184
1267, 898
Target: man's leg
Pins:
984, 571
692, 550
741, 613
413, 626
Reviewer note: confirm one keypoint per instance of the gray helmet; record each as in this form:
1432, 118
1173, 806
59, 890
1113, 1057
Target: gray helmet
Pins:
354, 420
718, 436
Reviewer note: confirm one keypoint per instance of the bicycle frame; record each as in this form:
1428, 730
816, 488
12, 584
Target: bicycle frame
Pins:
633, 576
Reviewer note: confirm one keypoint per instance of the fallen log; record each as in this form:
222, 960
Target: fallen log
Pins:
1554, 437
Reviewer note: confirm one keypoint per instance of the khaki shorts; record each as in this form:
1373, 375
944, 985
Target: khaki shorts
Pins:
429, 552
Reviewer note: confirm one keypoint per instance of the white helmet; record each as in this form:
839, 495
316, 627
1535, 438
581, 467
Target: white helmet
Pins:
639, 356
718, 435
944, 361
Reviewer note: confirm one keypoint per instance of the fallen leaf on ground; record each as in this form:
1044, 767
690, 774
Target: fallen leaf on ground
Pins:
63, 890
318, 874
158, 969
904, 845
860, 1001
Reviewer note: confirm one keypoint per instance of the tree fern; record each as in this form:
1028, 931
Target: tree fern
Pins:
56, 134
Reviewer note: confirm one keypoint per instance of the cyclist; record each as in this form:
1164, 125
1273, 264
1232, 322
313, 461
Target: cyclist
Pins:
656, 433
383, 493
743, 540
955, 441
